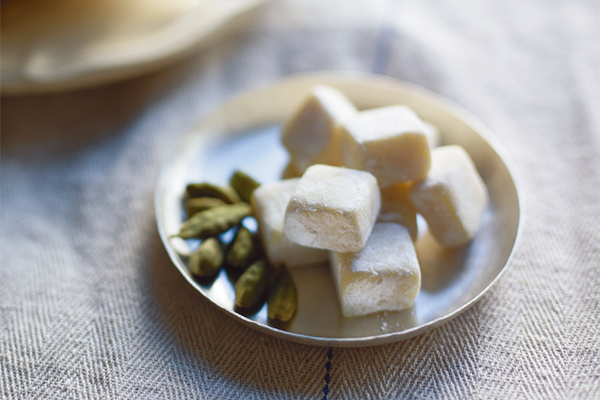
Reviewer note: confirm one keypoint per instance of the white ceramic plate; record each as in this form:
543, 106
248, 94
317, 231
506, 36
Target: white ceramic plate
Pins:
244, 134
65, 44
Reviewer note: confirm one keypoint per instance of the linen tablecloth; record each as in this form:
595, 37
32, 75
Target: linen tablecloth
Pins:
91, 306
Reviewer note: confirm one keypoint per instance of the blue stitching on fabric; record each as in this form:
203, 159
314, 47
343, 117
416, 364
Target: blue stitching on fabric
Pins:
382, 47
327, 373
382, 51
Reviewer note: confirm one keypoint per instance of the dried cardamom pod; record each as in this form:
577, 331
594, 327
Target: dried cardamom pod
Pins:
283, 298
214, 221
207, 259
244, 250
252, 285
243, 184
225, 193
196, 204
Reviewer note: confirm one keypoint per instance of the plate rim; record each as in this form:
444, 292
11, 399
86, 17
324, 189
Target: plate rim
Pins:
123, 67
388, 83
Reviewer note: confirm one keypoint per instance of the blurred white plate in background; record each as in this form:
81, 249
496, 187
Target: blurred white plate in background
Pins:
53, 45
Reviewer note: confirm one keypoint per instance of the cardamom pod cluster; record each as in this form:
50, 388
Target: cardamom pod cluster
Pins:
213, 210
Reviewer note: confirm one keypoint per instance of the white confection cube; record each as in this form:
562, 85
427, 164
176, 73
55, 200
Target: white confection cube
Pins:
396, 207
268, 203
383, 276
433, 134
452, 198
389, 142
290, 170
311, 134
333, 208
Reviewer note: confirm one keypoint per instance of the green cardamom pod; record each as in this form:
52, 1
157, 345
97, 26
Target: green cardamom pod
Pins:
196, 204
207, 259
243, 184
244, 250
225, 193
283, 298
252, 285
214, 221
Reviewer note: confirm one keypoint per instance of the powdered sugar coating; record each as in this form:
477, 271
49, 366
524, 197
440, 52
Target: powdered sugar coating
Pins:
383, 276
269, 202
452, 198
311, 134
390, 142
333, 208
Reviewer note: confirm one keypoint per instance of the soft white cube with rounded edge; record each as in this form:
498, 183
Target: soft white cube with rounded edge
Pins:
333, 208
269, 202
396, 207
383, 276
389, 142
311, 134
434, 137
452, 198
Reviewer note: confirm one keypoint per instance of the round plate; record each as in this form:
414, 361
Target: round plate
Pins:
65, 44
244, 134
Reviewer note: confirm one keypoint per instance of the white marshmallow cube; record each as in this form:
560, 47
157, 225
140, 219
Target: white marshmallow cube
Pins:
389, 142
311, 134
383, 276
333, 208
433, 134
396, 207
269, 202
452, 198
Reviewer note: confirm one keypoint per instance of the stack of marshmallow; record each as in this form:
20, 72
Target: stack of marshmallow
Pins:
352, 190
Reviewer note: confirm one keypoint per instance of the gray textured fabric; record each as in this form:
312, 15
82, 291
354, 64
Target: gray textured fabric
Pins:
91, 307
